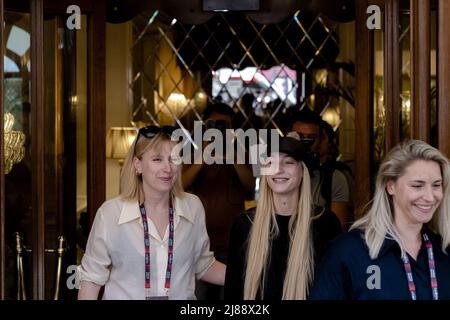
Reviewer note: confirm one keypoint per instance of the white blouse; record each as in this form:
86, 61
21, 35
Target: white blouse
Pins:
114, 254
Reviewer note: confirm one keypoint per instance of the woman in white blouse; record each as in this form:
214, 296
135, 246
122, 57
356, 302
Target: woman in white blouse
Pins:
151, 241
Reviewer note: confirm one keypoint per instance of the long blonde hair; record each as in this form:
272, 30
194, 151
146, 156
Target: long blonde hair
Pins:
299, 273
130, 182
378, 223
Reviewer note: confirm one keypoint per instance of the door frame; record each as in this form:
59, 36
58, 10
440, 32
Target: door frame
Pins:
420, 79
96, 130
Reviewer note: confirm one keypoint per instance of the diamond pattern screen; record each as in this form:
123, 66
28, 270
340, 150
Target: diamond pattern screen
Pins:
260, 70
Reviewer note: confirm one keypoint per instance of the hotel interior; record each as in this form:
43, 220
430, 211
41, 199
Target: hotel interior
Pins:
80, 77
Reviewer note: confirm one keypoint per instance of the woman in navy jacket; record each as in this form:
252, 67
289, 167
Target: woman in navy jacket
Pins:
399, 249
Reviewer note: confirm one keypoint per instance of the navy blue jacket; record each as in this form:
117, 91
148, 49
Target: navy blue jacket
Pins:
348, 272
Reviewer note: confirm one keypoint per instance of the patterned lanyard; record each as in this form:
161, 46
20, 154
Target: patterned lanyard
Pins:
147, 249
433, 279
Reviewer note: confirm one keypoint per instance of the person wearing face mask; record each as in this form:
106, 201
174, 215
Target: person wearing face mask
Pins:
150, 242
400, 249
273, 251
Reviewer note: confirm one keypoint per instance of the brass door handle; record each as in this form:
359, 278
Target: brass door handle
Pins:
62, 248
21, 249
21, 293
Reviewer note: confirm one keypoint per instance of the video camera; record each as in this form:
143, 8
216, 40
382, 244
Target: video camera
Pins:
312, 159
299, 147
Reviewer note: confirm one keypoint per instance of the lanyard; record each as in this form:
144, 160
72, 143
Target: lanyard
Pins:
147, 249
433, 279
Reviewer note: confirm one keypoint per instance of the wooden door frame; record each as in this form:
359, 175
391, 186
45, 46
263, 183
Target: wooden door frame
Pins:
96, 151
96, 162
420, 69
443, 84
96, 82
391, 74
37, 147
420, 79
2, 169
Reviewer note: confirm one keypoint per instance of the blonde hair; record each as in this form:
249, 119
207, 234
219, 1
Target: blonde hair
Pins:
299, 273
131, 182
378, 223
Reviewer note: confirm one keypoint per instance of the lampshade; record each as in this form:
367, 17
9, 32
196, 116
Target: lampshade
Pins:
331, 115
174, 106
118, 141
177, 102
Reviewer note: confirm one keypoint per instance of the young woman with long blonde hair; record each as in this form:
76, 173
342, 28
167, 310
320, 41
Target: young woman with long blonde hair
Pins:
273, 252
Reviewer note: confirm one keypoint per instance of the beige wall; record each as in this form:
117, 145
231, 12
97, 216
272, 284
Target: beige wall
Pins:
118, 100
118, 94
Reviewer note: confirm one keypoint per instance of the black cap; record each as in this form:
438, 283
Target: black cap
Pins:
292, 146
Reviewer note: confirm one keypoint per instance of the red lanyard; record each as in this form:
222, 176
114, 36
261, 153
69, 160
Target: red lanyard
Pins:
433, 279
147, 249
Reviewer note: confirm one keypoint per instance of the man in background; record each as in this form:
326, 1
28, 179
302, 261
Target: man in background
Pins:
222, 188
307, 124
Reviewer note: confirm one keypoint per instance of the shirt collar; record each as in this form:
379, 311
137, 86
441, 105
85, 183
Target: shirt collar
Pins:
389, 243
130, 211
436, 240
183, 209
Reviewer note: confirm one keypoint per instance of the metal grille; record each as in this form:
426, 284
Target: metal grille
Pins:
174, 63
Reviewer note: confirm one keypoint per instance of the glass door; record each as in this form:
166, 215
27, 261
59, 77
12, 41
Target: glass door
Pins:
18, 216
45, 137
65, 141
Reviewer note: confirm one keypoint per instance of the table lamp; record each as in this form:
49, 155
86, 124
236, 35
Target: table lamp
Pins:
118, 142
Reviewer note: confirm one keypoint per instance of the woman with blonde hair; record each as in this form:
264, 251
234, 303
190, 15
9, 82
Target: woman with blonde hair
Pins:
151, 241
272, 252
399, 249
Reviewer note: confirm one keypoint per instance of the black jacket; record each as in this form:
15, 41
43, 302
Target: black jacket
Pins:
325, 228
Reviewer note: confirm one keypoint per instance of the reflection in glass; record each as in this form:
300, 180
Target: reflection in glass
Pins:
18, 192
18, 41
60, 131
379, 111
14, 141
405, 81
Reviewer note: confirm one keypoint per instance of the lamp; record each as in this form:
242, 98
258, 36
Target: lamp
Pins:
118, 142
331, 115
174, 106
177, 102
14, 141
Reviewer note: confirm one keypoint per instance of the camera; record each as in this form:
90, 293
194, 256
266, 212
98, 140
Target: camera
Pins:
300, 148
312, 159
